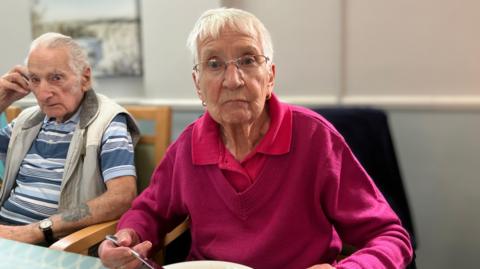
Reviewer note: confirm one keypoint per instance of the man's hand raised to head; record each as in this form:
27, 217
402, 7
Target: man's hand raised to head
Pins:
14, 85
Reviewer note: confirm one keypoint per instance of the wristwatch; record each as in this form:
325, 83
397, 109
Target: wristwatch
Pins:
46, 227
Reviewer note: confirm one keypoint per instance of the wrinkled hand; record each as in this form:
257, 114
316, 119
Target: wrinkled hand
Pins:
22, 233
321, 266
121, 257
14, 85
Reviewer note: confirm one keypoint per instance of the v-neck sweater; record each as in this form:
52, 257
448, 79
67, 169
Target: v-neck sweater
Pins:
303, 204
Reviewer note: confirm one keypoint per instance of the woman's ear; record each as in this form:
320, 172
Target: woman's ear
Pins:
197, 85
271, 77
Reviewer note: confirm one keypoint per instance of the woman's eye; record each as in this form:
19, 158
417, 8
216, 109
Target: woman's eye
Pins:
248, 60
214, 64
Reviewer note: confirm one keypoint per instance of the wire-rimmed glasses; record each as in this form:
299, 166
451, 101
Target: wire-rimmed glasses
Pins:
245, 63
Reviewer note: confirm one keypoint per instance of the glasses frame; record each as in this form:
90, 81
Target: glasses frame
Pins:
234, 61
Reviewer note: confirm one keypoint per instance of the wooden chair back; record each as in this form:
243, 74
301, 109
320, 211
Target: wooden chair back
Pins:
155, 124
12, 112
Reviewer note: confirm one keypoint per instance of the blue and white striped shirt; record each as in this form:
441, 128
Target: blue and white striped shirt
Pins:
37, 190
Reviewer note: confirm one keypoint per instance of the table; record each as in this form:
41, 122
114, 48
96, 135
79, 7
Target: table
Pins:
16, 255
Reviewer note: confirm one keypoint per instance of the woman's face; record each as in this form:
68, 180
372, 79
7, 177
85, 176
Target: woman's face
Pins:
233, 95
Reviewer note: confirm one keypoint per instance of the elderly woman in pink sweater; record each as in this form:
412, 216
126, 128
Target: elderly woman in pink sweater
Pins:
264, 184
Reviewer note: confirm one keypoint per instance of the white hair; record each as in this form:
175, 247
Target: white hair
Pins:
213, 21
78, 56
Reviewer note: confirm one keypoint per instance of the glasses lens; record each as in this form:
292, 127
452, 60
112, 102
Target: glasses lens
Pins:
214, 65
247, 61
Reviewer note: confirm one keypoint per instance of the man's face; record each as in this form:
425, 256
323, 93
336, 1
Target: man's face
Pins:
58, 89
233, 96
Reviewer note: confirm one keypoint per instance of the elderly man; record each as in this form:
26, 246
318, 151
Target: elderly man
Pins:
264, 183
69, 160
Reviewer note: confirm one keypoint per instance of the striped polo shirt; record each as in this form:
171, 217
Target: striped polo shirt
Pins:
37, 191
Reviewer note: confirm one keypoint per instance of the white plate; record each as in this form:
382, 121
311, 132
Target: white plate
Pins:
206, 265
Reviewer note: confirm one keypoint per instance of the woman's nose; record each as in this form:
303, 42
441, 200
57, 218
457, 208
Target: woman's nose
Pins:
233, 77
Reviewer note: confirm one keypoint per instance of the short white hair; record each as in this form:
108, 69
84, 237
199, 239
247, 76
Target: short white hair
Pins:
213, 21
78, 56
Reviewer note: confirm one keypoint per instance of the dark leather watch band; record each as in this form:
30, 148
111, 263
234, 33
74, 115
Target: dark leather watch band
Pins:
46, 227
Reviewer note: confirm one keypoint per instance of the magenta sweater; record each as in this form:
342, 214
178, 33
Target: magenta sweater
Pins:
297, 213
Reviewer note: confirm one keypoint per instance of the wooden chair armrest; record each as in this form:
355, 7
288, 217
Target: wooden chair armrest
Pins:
179, 230
159, 256
80, 241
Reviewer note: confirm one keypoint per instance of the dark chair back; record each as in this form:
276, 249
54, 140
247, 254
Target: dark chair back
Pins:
367, 132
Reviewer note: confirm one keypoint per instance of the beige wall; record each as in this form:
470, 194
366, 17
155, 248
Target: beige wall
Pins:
406, 53
306, 45
15, 35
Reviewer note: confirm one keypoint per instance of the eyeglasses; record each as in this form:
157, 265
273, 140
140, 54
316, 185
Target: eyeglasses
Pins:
246, 63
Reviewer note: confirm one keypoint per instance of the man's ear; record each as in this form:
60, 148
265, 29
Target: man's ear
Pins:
86, 79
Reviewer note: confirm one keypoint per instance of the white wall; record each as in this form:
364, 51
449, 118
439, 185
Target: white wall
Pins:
16, 37
413, 47
420, 51
167, 62
418, 59
306, 45
439, 157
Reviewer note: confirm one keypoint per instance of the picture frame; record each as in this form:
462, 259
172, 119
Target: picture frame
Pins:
108, 29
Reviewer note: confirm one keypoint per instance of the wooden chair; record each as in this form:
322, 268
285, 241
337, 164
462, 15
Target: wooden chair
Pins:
155, 124
12, 112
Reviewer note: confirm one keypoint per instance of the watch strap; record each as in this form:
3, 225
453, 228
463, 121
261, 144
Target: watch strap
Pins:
48, 233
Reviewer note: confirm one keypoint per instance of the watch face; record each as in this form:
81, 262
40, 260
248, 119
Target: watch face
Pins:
45, 224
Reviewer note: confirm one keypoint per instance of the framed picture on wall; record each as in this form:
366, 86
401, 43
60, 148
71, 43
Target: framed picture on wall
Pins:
108, 29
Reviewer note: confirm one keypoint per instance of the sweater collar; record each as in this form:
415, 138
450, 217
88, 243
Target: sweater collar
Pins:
277, 140
88, 110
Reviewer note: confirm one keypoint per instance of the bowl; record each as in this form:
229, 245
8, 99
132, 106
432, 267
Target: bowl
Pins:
206, 265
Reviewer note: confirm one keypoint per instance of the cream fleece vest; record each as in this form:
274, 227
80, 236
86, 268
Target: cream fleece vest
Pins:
82, 180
